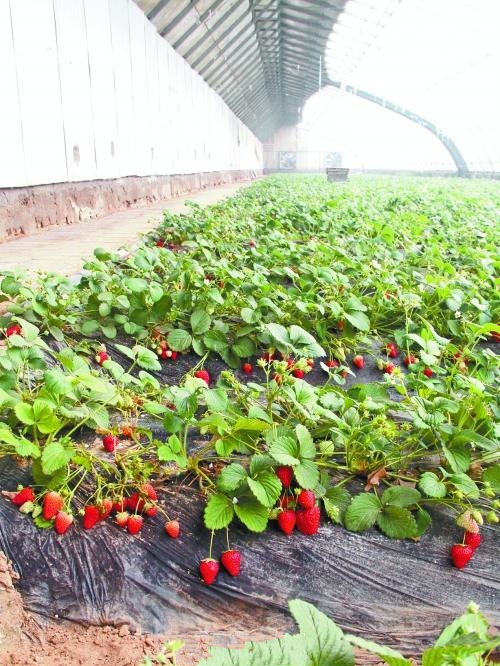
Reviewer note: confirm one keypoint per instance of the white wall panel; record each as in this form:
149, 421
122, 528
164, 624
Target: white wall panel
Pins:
39, 90
12, 166
102, 85
90, 90
122, 68
75, 89
142, 160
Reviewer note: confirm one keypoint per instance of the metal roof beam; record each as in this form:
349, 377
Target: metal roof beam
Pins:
215, 26
195, 26
234, 39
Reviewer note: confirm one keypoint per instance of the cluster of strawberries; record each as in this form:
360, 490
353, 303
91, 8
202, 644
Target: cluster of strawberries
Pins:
393, 352
209, 567
130, 510
164, 351
299, 511
461, 553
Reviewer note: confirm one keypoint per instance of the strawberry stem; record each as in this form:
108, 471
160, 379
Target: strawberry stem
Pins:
211, 543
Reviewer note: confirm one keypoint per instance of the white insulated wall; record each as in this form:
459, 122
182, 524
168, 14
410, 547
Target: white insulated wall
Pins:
89, 90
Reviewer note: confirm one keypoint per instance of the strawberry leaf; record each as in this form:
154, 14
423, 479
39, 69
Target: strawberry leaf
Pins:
336, 500
286, 651
362, 512
358, 319
400, 496
219, 512
397, 522
200, 322
465, 484
251, 513
285, 451
55, 456
431, 486
306, 443
307, 474
231, 477
179, 339
266, 487
390, 657
324, 641
492, 476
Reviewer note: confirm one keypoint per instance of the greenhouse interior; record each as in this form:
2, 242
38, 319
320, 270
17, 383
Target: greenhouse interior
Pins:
249, 329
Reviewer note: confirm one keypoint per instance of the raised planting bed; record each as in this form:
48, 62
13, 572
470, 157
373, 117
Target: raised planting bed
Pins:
300, 352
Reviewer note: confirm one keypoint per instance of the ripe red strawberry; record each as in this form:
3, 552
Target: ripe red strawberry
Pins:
203, 374
308, 520
120, 505
209, 568
391, 349
473, 540
428, 372
298, 373
122, 518
268, 356
231, 561
91, 516
332, 363
359, 361
62, 522
100, 357
151, 510
410, 359
389, 368
52, 504
461, 555
105, 508
341, 324
110, 442
306, 499
310, 362
148, 490
285, 475
160, 243
134, 524
135, 503
172, 528
15, 329
287, 520
24, 495
247, 368
251, 243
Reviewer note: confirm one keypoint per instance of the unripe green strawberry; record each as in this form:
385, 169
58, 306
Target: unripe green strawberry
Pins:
461, 555
209, 568
491, 517
52, 504
306, 499
231, 561
287, 520
308, 520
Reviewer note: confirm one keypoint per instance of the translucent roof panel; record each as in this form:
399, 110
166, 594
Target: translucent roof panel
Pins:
437, 58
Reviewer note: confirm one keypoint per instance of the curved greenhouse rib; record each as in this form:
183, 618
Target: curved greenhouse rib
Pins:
448, 143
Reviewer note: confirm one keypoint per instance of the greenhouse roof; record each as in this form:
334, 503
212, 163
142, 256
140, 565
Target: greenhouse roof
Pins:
264, 57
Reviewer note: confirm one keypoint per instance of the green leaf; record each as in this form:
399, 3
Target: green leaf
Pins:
306, 444
54, 456
388, 655
465, 484
492, 476
359, 320
252, 514
250, 316
400, 496
325, 642
307, 474
431, 486
458, 457
200, 322
266, 487
179, 339
109, 331
99, 416
89, 326
336, 500
285, 451
24, 413
219, 512
231, 477
147, 359
286, 651
216, 399
244, 347
423, 521
136, 285
126, 351
215, 341
256, 412
279, 335
362, 512
397, 522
